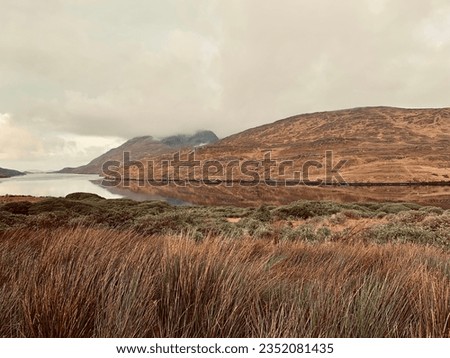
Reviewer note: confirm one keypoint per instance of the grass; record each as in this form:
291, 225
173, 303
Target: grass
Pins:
84, 282
83, 266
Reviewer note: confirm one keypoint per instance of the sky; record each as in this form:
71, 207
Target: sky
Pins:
78, 77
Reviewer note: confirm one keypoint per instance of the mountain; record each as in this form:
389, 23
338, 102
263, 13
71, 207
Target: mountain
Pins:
145, 147
7, 173
390, 152
379, 144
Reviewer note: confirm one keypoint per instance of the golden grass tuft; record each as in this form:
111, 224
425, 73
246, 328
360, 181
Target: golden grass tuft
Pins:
84, 282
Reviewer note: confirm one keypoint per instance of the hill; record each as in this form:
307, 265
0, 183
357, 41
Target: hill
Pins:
7, 173
380, 145
143, 147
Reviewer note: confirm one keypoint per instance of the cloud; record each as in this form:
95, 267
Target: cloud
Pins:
26, 149
17, 142
294, 57
105, 68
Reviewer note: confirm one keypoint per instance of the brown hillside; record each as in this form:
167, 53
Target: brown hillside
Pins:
380, 145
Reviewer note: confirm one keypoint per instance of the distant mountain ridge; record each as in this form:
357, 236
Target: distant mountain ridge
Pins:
7, 173
145, 147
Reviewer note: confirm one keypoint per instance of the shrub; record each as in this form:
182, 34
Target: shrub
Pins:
307, 209
409, 217
300, 233
8, 220
394, 208
249, 224
61, 204
401, 233
263, 232
17, 207
262, 214
84, 196
167, 222
49, 220
151, 207
381, 215
352, 214
324, 233
436, 222
338, 219
432, 210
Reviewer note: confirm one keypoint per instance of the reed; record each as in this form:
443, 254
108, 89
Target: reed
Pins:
90, 282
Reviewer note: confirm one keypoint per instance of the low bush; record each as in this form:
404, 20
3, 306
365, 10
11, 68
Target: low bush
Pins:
17, 207
306, 209
404, 233
84, 196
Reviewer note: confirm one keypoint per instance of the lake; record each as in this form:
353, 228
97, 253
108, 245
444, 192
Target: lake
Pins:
60, 185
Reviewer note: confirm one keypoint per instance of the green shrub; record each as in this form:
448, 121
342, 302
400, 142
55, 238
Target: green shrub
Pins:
61, 204
305, 233
381, 215
167, 222
324, 232
84, 196
437, 222
8, 220
249, 224
409, 217
50, 220
432, 210
338, 219
17, 207
402, 233
151, 207
263, 232
393, 208
307, 209
262, 214
352, 214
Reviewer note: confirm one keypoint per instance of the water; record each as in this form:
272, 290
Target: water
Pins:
60, 185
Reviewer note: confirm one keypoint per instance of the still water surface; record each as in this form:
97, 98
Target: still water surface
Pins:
60, 185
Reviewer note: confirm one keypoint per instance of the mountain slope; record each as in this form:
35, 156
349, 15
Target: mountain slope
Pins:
381, 145
144, 147
7, 173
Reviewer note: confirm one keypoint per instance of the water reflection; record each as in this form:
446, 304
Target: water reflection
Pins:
60, 185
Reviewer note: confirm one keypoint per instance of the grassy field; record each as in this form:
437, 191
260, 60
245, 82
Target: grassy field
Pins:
88, 267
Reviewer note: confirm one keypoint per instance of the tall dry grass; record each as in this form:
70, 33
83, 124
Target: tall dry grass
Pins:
101, 283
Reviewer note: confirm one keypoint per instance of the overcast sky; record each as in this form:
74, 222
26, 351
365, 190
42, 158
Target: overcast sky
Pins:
78, 77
